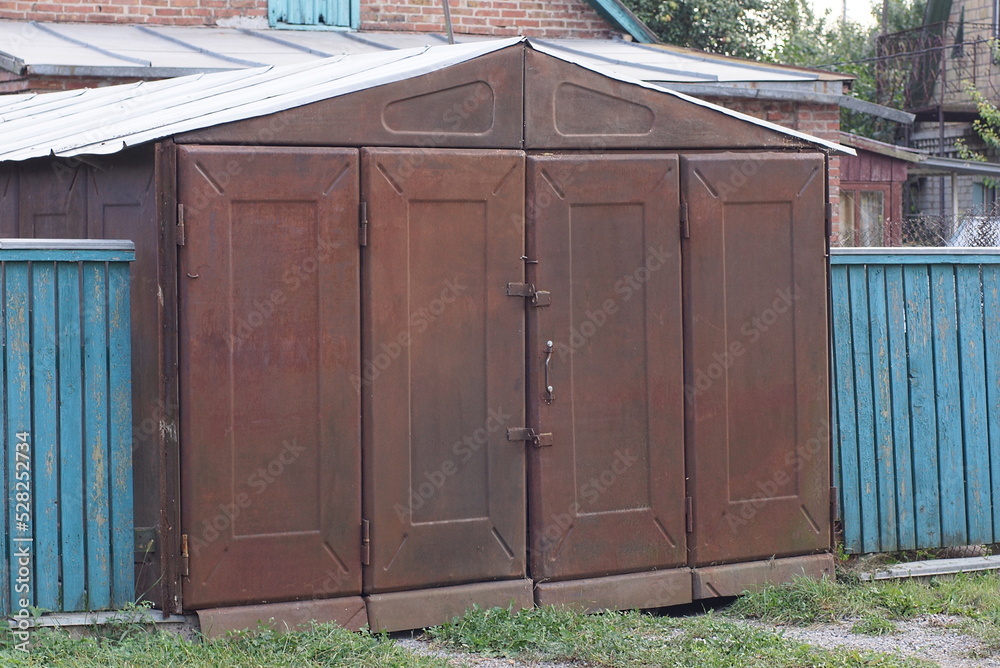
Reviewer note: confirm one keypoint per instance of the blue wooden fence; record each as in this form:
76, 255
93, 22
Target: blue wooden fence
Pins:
916, 397
66, 415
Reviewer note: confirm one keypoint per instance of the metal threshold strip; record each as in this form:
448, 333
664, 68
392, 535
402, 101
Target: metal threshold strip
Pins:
932, 567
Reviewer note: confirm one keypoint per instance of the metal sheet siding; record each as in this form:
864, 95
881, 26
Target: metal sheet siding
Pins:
916, 357
66, 333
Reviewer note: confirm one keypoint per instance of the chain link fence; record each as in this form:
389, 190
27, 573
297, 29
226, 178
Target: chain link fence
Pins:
978, 227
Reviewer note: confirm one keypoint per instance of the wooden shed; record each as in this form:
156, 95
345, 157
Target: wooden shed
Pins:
453, 325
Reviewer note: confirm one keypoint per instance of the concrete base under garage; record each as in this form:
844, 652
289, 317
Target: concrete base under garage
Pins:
735, 579
404, 610
348, 612
654, 589
397, 611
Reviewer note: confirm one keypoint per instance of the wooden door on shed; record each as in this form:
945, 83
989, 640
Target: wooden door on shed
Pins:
608, 495
443, 367
756, 389
269, 341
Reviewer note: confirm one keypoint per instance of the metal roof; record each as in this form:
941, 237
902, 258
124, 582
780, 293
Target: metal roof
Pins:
921, 163
107, 120
149, 52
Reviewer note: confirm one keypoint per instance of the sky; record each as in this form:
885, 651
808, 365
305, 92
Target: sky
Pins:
857, 10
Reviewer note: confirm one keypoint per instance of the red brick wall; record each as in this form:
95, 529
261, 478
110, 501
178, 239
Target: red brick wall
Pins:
571, 18
568, 18
820, 120
162, 12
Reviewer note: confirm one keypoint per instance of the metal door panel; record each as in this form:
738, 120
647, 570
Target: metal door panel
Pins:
269, 339
756, 380
443, 367
608, 496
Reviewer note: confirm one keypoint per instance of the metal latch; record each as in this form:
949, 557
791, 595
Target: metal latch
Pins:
538, 297
528, 434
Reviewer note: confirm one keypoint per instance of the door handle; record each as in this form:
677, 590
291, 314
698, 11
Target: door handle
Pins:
548, 384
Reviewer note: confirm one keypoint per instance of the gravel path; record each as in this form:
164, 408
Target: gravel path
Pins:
928, 637
418, 646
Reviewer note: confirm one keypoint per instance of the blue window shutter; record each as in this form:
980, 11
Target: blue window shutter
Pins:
311, 13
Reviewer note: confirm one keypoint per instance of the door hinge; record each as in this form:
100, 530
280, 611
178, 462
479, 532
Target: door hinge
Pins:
363, 224
180, 224
834, 504
366, 543
538, 298
185, 557
689, 513
685, 225
528, 434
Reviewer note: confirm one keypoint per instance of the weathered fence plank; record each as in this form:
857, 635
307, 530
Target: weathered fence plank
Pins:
65, 414
916, 368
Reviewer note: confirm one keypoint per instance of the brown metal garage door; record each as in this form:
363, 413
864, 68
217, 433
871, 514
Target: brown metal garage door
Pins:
756, 378
269, 322
608, 495
443, 367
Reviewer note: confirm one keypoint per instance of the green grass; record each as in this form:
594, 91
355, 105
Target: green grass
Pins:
634, 639
807, 601
973, 598
606, 640
874, 625
128, 647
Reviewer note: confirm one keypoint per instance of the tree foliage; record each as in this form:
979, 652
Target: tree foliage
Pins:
741, 28
790, 32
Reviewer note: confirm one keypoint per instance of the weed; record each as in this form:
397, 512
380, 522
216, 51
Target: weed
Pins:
874, 625
972, 597
631, 639
322, 646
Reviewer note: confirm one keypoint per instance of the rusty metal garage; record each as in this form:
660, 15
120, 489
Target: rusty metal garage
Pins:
451, 325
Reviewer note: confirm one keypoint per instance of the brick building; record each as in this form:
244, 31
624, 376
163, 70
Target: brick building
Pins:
567, 19
89, 43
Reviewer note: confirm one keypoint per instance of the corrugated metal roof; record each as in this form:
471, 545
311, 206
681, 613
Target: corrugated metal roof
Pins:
136, 51
107, 120
922, 164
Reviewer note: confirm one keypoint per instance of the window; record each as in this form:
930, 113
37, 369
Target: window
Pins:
984, 197
862, 217
314, 14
